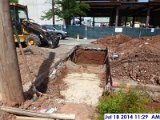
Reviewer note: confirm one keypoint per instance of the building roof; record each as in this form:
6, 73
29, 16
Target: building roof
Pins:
106, 7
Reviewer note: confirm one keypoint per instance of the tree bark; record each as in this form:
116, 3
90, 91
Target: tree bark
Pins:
10, 80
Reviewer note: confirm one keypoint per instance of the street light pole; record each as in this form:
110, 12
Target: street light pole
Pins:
53, 4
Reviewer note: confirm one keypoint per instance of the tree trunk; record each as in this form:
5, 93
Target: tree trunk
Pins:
10, 80
68, 21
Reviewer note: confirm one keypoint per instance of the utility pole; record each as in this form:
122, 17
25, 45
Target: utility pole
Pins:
11, 90
53, 4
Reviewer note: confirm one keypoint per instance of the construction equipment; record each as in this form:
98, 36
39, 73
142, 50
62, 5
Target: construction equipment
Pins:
29, 32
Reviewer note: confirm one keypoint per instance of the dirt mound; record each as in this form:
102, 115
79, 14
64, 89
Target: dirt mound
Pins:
138, 59
112, 40
39, 60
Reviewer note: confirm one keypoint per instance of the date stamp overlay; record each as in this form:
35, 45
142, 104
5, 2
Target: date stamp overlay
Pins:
132, 117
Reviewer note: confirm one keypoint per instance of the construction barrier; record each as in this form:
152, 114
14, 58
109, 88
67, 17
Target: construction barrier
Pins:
97, 32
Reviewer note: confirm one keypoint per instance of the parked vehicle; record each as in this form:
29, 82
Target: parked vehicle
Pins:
60, 33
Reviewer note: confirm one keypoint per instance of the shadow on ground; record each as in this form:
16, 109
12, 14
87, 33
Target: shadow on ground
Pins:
43, 75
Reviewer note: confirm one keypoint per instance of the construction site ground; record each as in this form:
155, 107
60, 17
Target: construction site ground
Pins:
135, 59
132, 60
41, 60
72, 92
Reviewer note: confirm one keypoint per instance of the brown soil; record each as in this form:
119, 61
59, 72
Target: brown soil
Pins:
51, 95
6, 116
82, 56
38, 60
82, 111
139, 59
112, 41
154, 106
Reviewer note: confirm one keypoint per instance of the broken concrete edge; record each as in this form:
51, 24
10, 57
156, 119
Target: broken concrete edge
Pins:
140, 86
91, 47
55, 70
152, 90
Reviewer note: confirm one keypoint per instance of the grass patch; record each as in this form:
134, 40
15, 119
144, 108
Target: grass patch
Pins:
124, 102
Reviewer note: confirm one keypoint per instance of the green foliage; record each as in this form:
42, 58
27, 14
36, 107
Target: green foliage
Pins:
66, 9
14, 1
123, 102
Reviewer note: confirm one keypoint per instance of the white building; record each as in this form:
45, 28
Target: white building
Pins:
36, 9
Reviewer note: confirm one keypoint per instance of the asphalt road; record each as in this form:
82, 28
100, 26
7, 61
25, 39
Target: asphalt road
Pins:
73, 41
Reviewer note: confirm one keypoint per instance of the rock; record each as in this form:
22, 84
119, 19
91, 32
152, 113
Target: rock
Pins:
157, 80
114, 56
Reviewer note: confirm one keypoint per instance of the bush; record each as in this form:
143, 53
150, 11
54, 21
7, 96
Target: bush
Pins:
123, 102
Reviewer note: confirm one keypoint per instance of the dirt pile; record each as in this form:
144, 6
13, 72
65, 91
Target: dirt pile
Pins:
112, 41
39, 60
137, 59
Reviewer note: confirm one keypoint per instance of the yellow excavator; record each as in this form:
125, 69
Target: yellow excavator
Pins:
29, 32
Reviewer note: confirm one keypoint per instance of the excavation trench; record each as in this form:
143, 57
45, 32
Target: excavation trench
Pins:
83, 76
86, 76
